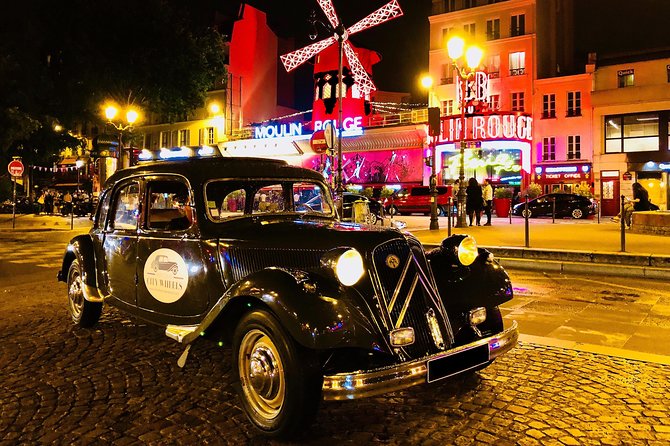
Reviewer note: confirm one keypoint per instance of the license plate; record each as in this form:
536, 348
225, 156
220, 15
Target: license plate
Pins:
447, 366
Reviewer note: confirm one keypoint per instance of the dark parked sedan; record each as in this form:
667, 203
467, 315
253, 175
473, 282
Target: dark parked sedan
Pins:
567, 205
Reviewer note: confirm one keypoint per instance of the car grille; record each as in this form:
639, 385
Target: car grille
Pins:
409, 293
244, 261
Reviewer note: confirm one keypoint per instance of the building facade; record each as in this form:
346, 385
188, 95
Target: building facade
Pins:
631, 112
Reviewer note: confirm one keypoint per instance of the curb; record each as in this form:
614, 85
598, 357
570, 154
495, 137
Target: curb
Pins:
604, 269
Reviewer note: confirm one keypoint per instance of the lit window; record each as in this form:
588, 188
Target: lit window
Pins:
517, 63
626, 78
165, 139
469, 28
494, 102
632, 133
493, 66
448, 107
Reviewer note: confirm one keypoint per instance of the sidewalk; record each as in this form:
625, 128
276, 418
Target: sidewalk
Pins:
32, 222
579, 246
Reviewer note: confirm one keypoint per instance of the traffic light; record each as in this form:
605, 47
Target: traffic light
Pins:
433, 121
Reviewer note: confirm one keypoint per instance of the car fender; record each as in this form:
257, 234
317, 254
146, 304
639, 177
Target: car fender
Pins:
316, 311
81, 248
485, 283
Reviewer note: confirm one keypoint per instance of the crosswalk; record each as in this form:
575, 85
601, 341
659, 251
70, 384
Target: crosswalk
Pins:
38, 255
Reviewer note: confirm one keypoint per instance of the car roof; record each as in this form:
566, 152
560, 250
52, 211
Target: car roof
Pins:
202, 169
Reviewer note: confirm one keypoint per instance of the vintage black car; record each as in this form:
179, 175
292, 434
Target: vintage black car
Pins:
563, 204
226, 249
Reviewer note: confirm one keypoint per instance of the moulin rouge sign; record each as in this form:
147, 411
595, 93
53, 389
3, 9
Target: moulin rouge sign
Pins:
487, 127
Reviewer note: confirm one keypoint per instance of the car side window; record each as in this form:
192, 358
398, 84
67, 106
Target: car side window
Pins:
103, 210
169, 206
126, 207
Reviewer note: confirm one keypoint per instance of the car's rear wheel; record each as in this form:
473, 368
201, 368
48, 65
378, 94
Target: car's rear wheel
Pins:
577, 213
372, 218
83, 312
279, 380
527, 212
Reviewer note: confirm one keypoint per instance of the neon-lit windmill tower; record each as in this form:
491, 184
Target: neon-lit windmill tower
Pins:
341, 36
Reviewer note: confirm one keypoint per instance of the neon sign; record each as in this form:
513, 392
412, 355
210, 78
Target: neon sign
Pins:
488, 127
561, 169
278, 130
350, 126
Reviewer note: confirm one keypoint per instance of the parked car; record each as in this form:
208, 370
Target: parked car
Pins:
312, 308
411, 199
376, 208
567, 205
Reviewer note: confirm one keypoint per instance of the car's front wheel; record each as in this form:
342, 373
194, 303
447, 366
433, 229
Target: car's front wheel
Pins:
372, 218
83, 312
527, 213
279, 380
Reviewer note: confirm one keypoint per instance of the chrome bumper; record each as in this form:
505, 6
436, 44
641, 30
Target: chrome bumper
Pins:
362, 384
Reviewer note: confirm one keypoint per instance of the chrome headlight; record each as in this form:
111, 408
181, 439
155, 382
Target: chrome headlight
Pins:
349, 267
467, 251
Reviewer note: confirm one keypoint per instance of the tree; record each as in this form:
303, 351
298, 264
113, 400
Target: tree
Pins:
156, 54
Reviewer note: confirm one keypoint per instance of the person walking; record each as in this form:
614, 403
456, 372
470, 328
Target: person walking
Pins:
487, 193
474, 201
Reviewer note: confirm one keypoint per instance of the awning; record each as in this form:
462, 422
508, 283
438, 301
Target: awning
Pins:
378, 139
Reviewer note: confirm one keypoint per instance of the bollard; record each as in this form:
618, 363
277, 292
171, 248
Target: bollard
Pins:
598, 210
449, 209
623, 224
553, 209
525, 212
511, 209
14, 203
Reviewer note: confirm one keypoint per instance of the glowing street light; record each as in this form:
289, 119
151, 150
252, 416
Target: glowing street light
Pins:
132, 116
465, 70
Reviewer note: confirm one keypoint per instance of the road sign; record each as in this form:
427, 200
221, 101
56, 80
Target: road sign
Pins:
15, 168
318, 142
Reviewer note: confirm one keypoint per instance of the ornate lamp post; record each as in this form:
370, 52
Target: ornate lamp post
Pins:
466, 71
132, 116
427, 83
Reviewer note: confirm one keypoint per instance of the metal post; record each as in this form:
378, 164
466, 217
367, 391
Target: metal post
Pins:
623, 224
339, 187
450, 207
553, 209
14, 202
598, 209
461, 222
510, 212
526, 222
434, 225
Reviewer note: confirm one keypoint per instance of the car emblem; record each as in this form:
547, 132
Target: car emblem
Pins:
392, 261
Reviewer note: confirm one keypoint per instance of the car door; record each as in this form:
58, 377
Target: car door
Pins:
120, 242
542, 206
171, 268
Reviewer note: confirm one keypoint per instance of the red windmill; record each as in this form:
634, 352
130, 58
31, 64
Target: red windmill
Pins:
341, 35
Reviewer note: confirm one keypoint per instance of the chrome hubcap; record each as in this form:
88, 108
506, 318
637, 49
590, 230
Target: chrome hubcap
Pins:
76, 294
261, 374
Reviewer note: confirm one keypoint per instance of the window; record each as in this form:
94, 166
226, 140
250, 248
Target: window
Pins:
632, 133
626, 78
126, 207
494, 102
184, 137
549, 106
165, 139
493, 29
518, 25
493, 66
574, 147
574, 103
469, 28
169, 206
446, 32
517, 63
518, 100
448, 107
549, 149
210, 136
667, 68
447, 74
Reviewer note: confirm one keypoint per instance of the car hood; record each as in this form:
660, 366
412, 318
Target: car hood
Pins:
307, 233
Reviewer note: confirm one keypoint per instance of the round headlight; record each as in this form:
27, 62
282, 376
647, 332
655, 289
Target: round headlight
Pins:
349, 267
467, 251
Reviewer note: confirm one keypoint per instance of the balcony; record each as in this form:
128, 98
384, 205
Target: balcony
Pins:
494, 74
446, 80
517, 71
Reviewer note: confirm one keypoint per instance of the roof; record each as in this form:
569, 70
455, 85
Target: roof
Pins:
198, 170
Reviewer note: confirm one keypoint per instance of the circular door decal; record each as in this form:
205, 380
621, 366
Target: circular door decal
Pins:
166, 275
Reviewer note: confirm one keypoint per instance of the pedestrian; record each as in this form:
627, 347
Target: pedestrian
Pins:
474, 201
49, 203
487, 193
40, 203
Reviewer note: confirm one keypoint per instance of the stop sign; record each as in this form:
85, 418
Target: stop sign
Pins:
15, 168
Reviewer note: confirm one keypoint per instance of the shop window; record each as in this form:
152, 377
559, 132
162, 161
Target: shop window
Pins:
632, 133
517, 63
518, 25
549, 106
518, 100
574, 147
549, 149
574, 103
626, 78
493, 29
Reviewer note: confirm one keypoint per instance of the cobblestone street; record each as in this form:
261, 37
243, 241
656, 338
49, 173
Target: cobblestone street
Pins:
119, 384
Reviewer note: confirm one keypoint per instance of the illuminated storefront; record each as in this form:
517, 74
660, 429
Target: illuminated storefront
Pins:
571, 178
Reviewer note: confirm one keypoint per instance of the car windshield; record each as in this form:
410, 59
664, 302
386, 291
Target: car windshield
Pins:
228, 199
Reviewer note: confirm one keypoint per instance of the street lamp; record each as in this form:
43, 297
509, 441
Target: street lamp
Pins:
466, 70
111, 111
431, 159
79, 163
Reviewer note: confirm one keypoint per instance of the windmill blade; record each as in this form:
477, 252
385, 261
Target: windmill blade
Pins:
298, 57
329, 10
360, 75
387, 12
